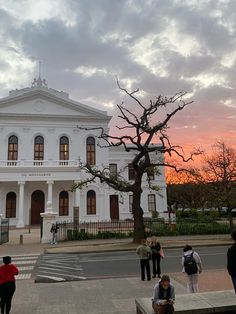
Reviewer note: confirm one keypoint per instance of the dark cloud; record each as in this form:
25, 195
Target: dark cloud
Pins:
160, 46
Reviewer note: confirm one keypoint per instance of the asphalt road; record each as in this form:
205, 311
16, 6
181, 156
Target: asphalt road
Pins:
64, 267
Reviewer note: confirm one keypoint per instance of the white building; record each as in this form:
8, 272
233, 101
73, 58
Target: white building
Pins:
40, 156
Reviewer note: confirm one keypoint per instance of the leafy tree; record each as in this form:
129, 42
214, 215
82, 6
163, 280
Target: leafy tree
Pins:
143, 126
219, 172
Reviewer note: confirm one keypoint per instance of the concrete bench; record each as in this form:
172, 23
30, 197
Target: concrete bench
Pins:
197, 303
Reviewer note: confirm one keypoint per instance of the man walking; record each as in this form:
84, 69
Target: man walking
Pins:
192, 267
231, 260
144, 252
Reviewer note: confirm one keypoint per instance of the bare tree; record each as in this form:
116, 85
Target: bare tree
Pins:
148, 123
219, 171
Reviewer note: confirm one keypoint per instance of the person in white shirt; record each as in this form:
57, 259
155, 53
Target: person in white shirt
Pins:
192, 267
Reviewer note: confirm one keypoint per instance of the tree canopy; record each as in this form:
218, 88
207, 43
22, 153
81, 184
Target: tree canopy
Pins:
146, 141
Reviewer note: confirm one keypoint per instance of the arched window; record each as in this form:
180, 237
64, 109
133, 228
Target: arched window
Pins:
64, 148
13, 148
91, 203
63, 203
90, 151
11, 205
38, 148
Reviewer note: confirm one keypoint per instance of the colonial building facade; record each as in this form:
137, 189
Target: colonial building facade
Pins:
42, 147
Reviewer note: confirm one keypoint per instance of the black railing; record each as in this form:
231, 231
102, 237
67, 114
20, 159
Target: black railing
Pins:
90, 230
4, 230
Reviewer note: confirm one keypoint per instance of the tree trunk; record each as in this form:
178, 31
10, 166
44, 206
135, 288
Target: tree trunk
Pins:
139, 228
231, 223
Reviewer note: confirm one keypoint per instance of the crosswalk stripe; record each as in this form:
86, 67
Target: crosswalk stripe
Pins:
58, 265
25, 262
25, 255
24, 258
64, 266
67, 275
22, 268
23, 276
52, 277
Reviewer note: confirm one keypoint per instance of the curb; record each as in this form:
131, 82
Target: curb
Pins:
120, 249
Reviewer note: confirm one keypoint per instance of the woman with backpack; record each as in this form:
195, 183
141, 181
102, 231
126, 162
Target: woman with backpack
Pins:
192, 267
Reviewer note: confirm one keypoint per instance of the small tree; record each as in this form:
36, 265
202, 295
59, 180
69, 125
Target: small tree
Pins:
219, 172
143, 126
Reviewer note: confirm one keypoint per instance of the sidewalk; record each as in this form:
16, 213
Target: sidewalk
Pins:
102, 296
113, 296
31, 243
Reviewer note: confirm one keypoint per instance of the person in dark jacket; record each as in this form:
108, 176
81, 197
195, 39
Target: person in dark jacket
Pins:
156, 257
53, 231
8, 272
231, 260
163, 296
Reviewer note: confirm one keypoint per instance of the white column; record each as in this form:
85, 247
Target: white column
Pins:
49, 208
20, 223
48, 220
76, 207
77, 197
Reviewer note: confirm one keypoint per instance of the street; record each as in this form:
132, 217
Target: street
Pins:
68, 267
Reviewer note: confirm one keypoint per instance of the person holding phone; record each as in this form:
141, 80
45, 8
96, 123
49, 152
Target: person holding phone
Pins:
163, 296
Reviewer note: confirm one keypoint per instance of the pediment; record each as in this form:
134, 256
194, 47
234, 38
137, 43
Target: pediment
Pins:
41, 103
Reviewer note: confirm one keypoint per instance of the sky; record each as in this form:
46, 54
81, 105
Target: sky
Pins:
159, 46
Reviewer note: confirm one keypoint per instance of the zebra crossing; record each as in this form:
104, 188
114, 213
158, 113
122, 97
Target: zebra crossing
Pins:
26, 264
59, 267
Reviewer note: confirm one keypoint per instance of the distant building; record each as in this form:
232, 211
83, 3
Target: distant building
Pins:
40, 157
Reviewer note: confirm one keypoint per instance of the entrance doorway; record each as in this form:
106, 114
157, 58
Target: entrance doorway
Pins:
114, 207
37, 206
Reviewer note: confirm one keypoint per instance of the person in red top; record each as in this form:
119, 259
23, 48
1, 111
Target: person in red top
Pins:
8, 272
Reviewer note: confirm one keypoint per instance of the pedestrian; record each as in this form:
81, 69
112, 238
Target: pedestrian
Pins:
192, 267
144, 252
156, 257
231, 260
53, 230
163, 296
8, 272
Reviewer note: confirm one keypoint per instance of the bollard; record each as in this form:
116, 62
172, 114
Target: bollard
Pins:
21, 238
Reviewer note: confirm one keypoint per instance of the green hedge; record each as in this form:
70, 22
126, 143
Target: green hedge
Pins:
190, 229
158, 229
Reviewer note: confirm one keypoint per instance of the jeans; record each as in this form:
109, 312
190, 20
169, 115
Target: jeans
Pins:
7, 291
192, 283
54, 238
144, 264
156, 258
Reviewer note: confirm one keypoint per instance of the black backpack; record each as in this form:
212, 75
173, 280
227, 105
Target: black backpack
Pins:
190, 265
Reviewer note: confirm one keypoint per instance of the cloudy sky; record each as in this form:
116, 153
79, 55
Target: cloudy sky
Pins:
159, 46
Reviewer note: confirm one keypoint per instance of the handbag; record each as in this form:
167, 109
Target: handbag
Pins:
161, 252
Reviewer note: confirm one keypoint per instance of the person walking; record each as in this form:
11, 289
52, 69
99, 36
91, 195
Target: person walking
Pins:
231, 260
144, 252
53, 230
163, 296
8, 272
156, 257
192, 267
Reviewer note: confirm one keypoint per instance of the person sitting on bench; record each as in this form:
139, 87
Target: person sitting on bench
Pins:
164, 296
